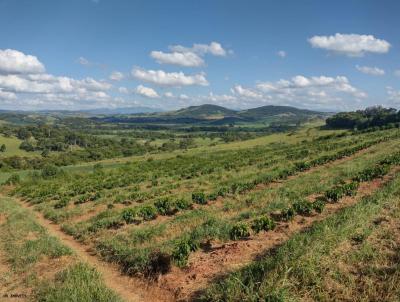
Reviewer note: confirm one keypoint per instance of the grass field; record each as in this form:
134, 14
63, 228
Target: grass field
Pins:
35, 266
12, 147
217, 223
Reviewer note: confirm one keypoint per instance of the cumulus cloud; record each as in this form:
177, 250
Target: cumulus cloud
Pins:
246, 92
213, 48
311, 86
44, 83
281, 53
352, 45
397, 73
5, 95
147, 92
186, 59
188, 56
169, 94
23, 82
116, 76
321, 92
220, 98
16, 62
123, 90
162, 78
393, 95
371, 70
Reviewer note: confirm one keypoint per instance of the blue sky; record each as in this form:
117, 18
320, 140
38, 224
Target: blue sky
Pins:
78, 54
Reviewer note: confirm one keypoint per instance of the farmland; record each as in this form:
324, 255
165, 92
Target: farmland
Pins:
261, 218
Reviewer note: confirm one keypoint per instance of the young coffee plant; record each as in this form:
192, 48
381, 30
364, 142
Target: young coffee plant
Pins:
147, 212
263, 224
165, 206
319, 205
303, 207
129, 215
182, 251
239, 231
287, 214
199, 197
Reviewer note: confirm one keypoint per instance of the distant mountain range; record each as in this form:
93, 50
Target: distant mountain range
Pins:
218, 115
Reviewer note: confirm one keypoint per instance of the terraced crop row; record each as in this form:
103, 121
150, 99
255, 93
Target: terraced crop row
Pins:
177, 219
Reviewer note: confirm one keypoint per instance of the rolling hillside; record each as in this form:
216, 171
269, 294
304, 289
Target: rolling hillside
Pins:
213, 114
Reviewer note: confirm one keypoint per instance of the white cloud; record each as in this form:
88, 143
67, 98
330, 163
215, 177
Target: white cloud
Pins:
15, 62
371, 70
188, 56
4, 95
183, 96
83, 61
321, 92
393, 95
45, 83
169, 94
246, 92
281, 53
220, 98
116, 76
147, 92
123, 90
311, 86
397, 73
186, 59
214, 48
162, 78
352, 45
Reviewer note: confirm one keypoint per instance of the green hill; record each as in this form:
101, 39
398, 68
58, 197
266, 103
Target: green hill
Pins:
206, 111
271, 110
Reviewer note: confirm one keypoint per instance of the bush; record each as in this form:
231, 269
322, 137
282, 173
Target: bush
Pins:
199, 197
148, 212
165, 206
303, 207
263, 224
287, 214
50, 171
62, 203
129, 215
182, 251
319, 205
239, 231
183, 204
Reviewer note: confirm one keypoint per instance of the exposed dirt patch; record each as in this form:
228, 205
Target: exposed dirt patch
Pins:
3, 218
204, 267
47, 267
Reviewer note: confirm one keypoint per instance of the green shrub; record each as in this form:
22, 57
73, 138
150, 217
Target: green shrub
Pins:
239, 231
147, 212
303, 207
287, 214
50, 171
165, 206
182, 251
199, 197
62, 203
319, 205
263, 224
183, 204
129, 215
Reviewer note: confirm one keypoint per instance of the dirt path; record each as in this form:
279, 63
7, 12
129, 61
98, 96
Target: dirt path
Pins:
128, 288
220, 259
